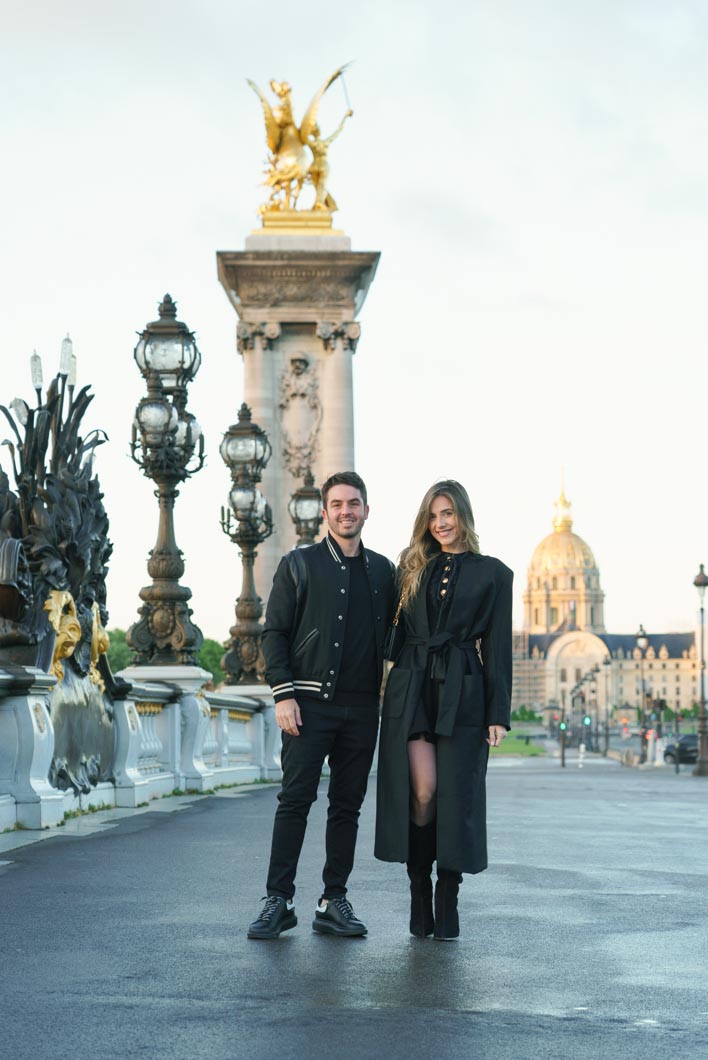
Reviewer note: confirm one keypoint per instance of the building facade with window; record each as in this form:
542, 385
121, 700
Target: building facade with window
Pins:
563, 639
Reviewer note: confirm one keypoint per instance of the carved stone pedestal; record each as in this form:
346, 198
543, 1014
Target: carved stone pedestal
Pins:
27, 747
297, 297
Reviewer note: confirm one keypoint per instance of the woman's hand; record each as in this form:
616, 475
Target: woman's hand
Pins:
496, 735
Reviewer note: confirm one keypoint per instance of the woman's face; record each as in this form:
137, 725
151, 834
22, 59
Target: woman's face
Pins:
443, 526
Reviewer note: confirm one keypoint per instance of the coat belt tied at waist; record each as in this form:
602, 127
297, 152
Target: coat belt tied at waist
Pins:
448, 666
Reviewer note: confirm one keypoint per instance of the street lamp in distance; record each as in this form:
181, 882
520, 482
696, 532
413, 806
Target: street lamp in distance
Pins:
595, 705
701, 769
607, 663
642, 642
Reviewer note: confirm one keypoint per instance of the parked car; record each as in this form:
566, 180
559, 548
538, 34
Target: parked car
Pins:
687, 749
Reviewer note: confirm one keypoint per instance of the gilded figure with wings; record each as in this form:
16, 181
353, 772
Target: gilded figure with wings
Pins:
297, 154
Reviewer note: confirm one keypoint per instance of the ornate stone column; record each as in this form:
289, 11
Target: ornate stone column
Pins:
297, 296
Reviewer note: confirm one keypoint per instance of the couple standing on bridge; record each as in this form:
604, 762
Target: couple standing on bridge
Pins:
446, 701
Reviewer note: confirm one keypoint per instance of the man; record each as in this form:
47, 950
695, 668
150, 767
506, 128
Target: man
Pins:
326, 619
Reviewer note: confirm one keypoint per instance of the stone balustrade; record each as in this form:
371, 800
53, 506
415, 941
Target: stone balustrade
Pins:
168, 735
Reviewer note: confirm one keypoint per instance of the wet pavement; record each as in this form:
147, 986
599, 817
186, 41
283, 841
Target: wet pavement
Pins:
123, 934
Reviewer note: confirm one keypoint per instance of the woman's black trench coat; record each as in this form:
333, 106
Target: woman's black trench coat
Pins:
474, 695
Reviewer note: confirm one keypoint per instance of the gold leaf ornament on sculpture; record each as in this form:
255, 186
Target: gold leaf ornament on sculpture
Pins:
61, 609
99, 646
298, 155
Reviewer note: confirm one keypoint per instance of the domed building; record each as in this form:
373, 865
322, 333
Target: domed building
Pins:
565, 661
563, 588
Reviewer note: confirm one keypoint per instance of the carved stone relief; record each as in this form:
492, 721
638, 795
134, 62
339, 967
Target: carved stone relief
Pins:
300, 414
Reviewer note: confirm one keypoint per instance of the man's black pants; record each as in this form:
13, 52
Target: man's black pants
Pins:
348, 736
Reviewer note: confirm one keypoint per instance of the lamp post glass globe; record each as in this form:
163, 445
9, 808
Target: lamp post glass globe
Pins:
188, 432
167, 347
641, 639
305, 509
237, 450
245, 448
155, 418
248, 503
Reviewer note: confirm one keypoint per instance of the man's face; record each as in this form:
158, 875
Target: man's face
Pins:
346, 512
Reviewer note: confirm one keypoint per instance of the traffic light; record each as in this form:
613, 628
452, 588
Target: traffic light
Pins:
555, 717
563, 726
587, 720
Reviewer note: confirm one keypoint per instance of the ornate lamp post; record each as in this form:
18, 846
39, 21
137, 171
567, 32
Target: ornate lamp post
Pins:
168, 446
305, 510
607, 664
246, 450
642, 642
701, 768
562, 725
595, 671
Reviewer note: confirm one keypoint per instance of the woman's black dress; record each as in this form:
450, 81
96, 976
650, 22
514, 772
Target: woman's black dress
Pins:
438, 599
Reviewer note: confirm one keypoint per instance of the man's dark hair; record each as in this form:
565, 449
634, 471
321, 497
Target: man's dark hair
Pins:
344, 478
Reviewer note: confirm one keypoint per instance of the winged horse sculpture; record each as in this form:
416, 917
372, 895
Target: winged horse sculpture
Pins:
296, 154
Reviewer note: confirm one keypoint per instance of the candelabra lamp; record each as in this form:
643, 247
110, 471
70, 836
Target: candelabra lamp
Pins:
168, 446
305, 510
246, 450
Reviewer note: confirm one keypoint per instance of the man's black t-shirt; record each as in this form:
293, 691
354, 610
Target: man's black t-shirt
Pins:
356, 684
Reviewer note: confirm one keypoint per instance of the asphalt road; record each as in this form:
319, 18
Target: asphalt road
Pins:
123, 935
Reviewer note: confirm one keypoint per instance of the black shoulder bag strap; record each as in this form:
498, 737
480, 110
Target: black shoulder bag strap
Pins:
298, 571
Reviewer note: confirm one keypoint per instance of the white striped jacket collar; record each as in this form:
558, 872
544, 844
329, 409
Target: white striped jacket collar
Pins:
337, 554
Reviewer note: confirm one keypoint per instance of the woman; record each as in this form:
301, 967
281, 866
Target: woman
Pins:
447, 701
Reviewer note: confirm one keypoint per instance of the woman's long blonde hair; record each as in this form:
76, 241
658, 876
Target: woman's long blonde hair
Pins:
423, 547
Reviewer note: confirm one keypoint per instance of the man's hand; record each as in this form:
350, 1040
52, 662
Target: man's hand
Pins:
287, 715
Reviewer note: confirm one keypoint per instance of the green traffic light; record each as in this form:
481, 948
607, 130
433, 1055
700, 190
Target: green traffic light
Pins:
587, 719
563, 726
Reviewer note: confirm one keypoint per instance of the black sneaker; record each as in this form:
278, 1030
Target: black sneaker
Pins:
335, 916
276, 915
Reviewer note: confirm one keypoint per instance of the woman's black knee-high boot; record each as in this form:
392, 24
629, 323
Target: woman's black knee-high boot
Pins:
447, 922
421, 855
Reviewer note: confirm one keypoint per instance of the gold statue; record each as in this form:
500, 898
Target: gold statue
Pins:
99, 646
319, 170
64, 621
297, 154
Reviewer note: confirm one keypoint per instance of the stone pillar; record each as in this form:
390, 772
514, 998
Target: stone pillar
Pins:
339, 341
297, 297
27, 746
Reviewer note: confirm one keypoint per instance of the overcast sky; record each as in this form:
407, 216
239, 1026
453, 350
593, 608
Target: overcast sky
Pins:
536, 177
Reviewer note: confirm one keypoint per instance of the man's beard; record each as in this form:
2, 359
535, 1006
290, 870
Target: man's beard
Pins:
349, 529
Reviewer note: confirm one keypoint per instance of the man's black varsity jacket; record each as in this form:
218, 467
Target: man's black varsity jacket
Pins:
307, 614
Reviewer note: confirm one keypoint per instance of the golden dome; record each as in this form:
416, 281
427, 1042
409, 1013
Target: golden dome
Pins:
562, 550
